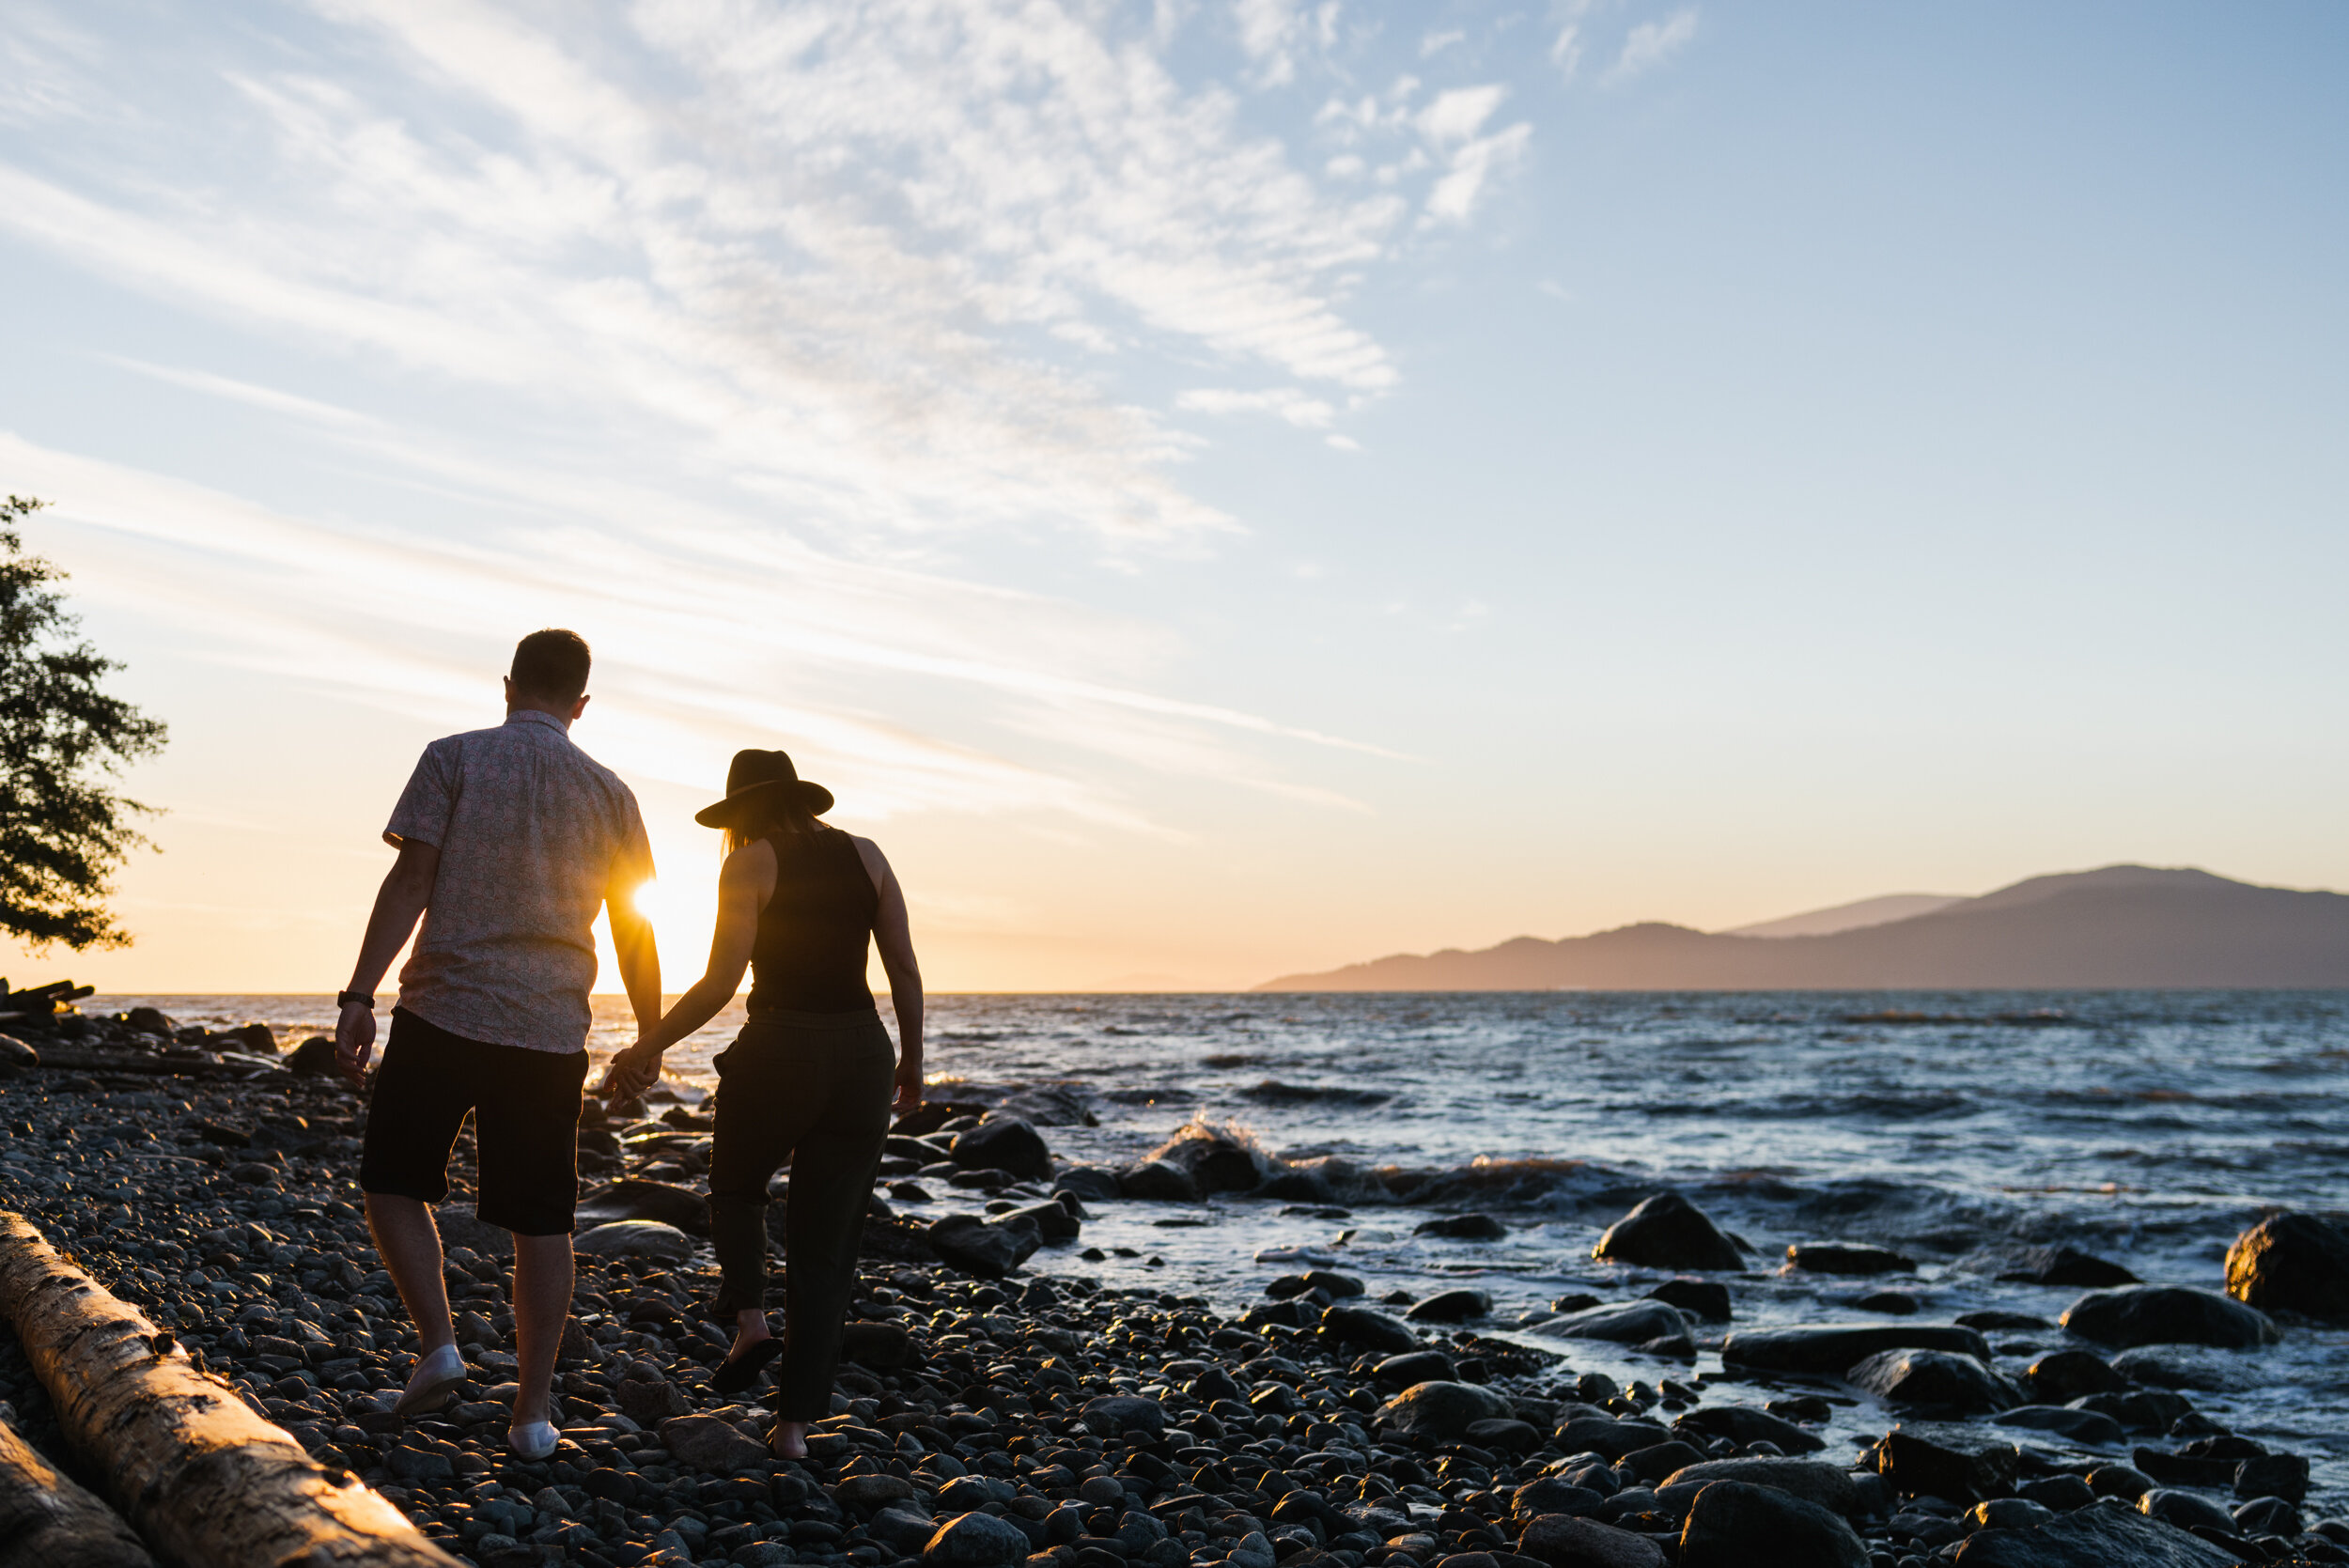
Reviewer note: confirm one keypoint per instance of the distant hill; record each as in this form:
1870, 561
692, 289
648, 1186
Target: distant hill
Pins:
1851, 917
2122, 927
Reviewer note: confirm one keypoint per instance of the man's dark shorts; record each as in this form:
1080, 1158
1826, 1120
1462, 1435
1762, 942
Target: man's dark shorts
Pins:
525, 1109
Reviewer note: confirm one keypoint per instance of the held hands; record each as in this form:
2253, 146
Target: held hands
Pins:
631, 1072
354, 1041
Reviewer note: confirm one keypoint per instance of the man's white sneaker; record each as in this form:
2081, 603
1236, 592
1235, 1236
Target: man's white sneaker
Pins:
533, 1441
436, 1379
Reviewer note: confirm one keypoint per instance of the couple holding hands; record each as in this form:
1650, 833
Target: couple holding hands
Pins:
510, 841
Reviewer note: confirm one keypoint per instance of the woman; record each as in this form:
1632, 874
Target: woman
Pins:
806, 1083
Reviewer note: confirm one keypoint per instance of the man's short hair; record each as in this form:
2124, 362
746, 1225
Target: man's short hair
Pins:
551, 663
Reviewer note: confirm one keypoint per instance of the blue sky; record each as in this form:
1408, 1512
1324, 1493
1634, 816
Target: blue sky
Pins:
1216, 489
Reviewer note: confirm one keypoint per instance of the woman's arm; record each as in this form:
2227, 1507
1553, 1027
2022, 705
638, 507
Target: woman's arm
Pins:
744, 886
894, 936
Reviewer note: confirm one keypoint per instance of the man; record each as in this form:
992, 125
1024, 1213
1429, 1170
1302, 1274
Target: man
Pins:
509, 840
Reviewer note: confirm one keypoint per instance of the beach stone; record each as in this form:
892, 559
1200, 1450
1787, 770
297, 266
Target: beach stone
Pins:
1814, 1480
314, 1058
1361, 1328
2140, 1409
1831, 1349
1941, 1377
1705, 1299
976, 1541
1451, 1306
901, 1528
635, 1199
1608, 1437
1668, 1232
2266, 1517
1553, 1494
2178, 1366
418, 1463
2186, 1509
648, 1402
2101, 1537
1570, 1541
635, 1238
1462, 1227
1623, 1322
1091, 1184
2273, 1475
1154, 1180
2079, 1426
1115, 1414
708, 1444
1653, 1465
2168, 1314
970, 1243
878, 1346
2061, 1376
1734, 1525
1742, 1425
2065, 1265
1836, 1257
2062, 1493
1211, 1159
2294, 1263
1003, 1144
870, 1494
1414, 1366
1052, 1221
1505, 1435
150, 1020
1438, 1412
254, 1039
1956, 1463
2124, 1481
2009, 1514
459, 1226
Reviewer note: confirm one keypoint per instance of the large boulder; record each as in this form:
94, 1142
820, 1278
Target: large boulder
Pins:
1840, 1257
635, 1238
1958, 1464
1003, 1144
1829, 1350
1364, 1328
1627, 1323
681, 1206
1439, 1412
975, 1245
1814, 1480
2292, 1262
1668, 1232
1734, 1525
1941, 1377
1565, 1541
2168, 1314
1213, 1159
1742, 1425
2104, 1536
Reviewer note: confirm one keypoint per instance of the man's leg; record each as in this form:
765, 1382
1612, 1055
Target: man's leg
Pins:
411, 1245
421, 1100
542, 1303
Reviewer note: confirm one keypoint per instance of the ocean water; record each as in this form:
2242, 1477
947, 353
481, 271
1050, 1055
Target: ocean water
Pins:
2148, 1128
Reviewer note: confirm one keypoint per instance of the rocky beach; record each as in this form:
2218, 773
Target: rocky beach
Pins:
1010, 1395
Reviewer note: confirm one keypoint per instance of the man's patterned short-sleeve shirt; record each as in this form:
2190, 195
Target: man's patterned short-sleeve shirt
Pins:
531, 830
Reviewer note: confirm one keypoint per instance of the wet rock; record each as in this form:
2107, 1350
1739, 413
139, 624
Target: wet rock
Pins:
2267, 1517
1627, 1323
670, 1205
1568, 1541
1451, 1306
1705, 1299
2065, 1265
2100, 1537
2168, 1314
314, 1058
878, 1346
1116, 1414
1415, 1366
2294, 1263
1668, 1232
1047, 1105
1361, 1328
1091, 1184
2060, 1493
635, 1238
1812, 1480
1211, 1158
1742, 1425
970, 1243
1462, 1227
2174, 1366
1962, 1383
708, 1444
1439, 1412
1734, 1525
1003, 1144
2061, 1376
1608, 1437
2138, 1410
1836, 1257
1830, 1349
2273, 1475
976, 1541
1893, 1303
1154, 1180
2079, 1426
1933, 1459
2124, 1481
2009, 1514
2186, 1509
1052, 1221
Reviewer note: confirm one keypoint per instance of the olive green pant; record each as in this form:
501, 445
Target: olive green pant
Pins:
812, 1090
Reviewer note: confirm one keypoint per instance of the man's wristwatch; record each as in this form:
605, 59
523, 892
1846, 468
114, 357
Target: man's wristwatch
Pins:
344, 999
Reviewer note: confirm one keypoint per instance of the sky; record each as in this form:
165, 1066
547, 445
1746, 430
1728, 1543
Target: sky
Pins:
1218, 488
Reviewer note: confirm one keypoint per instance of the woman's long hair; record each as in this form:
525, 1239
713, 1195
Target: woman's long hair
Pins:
773, 812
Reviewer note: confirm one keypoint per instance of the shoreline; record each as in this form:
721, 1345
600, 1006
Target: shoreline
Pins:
1256, 1438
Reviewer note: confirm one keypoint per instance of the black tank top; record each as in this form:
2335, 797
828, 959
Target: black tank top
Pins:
809, 955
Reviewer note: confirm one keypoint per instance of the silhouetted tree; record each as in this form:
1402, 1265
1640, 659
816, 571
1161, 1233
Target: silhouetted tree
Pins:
62, 831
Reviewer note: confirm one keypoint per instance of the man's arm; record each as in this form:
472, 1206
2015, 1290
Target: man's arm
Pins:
399, 903
633, 940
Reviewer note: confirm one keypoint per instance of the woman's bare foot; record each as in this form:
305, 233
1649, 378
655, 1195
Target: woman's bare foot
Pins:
788, 1441
750, 1327
753, 1347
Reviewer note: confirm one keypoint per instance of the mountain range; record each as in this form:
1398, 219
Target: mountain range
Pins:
2122, 927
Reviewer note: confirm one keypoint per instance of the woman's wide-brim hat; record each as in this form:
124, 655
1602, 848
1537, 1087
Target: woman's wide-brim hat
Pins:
753, 777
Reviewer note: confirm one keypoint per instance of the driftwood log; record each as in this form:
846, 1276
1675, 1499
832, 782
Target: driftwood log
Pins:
46, 1521
208, 1483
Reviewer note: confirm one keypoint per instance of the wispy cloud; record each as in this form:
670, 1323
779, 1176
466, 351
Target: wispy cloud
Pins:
1652, 43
